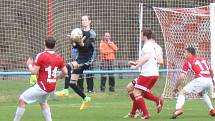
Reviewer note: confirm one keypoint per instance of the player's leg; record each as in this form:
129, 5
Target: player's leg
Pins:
130, 89
29, 96
179, 104
139, 87
206, 85
90, 83
139, 100
46, 111
190, 87
20, 110
149, 95
80, 82
73, 85
65, 91
208, 102
45, 107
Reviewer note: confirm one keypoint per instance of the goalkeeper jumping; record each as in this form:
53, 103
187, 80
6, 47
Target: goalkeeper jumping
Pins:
86, 50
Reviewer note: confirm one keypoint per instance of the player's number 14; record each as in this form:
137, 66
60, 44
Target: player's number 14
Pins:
52, 74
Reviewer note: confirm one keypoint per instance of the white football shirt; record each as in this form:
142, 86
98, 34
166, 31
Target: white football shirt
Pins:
150, 68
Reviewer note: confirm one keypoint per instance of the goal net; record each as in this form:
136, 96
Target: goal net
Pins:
25, 25
182, 28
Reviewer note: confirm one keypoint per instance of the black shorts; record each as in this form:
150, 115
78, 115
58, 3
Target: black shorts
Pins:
81, 69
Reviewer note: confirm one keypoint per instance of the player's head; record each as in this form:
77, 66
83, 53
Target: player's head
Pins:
191, 50
50, 42
86, 21
147, 34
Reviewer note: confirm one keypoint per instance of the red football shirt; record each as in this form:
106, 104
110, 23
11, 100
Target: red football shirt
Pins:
49, 62
198, 65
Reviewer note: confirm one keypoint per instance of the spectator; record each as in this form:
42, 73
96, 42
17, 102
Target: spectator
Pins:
107, 49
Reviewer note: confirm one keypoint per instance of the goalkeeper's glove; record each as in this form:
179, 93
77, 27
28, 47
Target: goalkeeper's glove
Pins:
33, 80
81, 41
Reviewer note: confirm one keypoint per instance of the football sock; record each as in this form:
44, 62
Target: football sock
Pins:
141, 104
66, 86
134, 107
74, 86
207, 100
130, 92
152, 97
19, 114
180, 101
47, 114
67, 78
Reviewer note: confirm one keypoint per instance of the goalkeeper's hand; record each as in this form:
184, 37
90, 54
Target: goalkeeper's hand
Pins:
81, 41
33, 80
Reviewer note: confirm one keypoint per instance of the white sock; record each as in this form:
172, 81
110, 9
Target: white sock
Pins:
47, 114
180, 101
207, 100
19, 114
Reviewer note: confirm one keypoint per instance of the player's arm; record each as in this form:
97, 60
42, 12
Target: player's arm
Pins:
160, 59
132, 62
181, 76
212, 76
33, 68
89, 41
179, 81
142, 61
64, 72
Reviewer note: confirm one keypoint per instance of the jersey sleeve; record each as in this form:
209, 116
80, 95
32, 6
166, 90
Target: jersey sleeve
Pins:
39, 60
185, 68
61, 63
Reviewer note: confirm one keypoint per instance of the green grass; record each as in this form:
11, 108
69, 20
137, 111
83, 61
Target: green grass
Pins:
104, 106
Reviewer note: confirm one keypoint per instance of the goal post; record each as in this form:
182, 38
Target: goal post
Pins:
182, 28
212, 29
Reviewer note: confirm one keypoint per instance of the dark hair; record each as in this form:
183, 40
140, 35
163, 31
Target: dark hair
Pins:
148, 33
191, 50
50, 42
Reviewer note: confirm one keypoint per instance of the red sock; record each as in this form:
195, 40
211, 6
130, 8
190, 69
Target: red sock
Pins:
134, 107
150, 96
141, 104
130, 92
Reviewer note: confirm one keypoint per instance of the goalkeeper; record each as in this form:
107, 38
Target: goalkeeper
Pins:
86, 49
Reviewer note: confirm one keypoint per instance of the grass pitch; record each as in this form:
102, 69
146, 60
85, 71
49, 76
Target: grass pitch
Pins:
104, 106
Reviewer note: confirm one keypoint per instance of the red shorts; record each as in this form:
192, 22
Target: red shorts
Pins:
145, 83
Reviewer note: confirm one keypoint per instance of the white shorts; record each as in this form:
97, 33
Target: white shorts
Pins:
201, 84
34, 94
